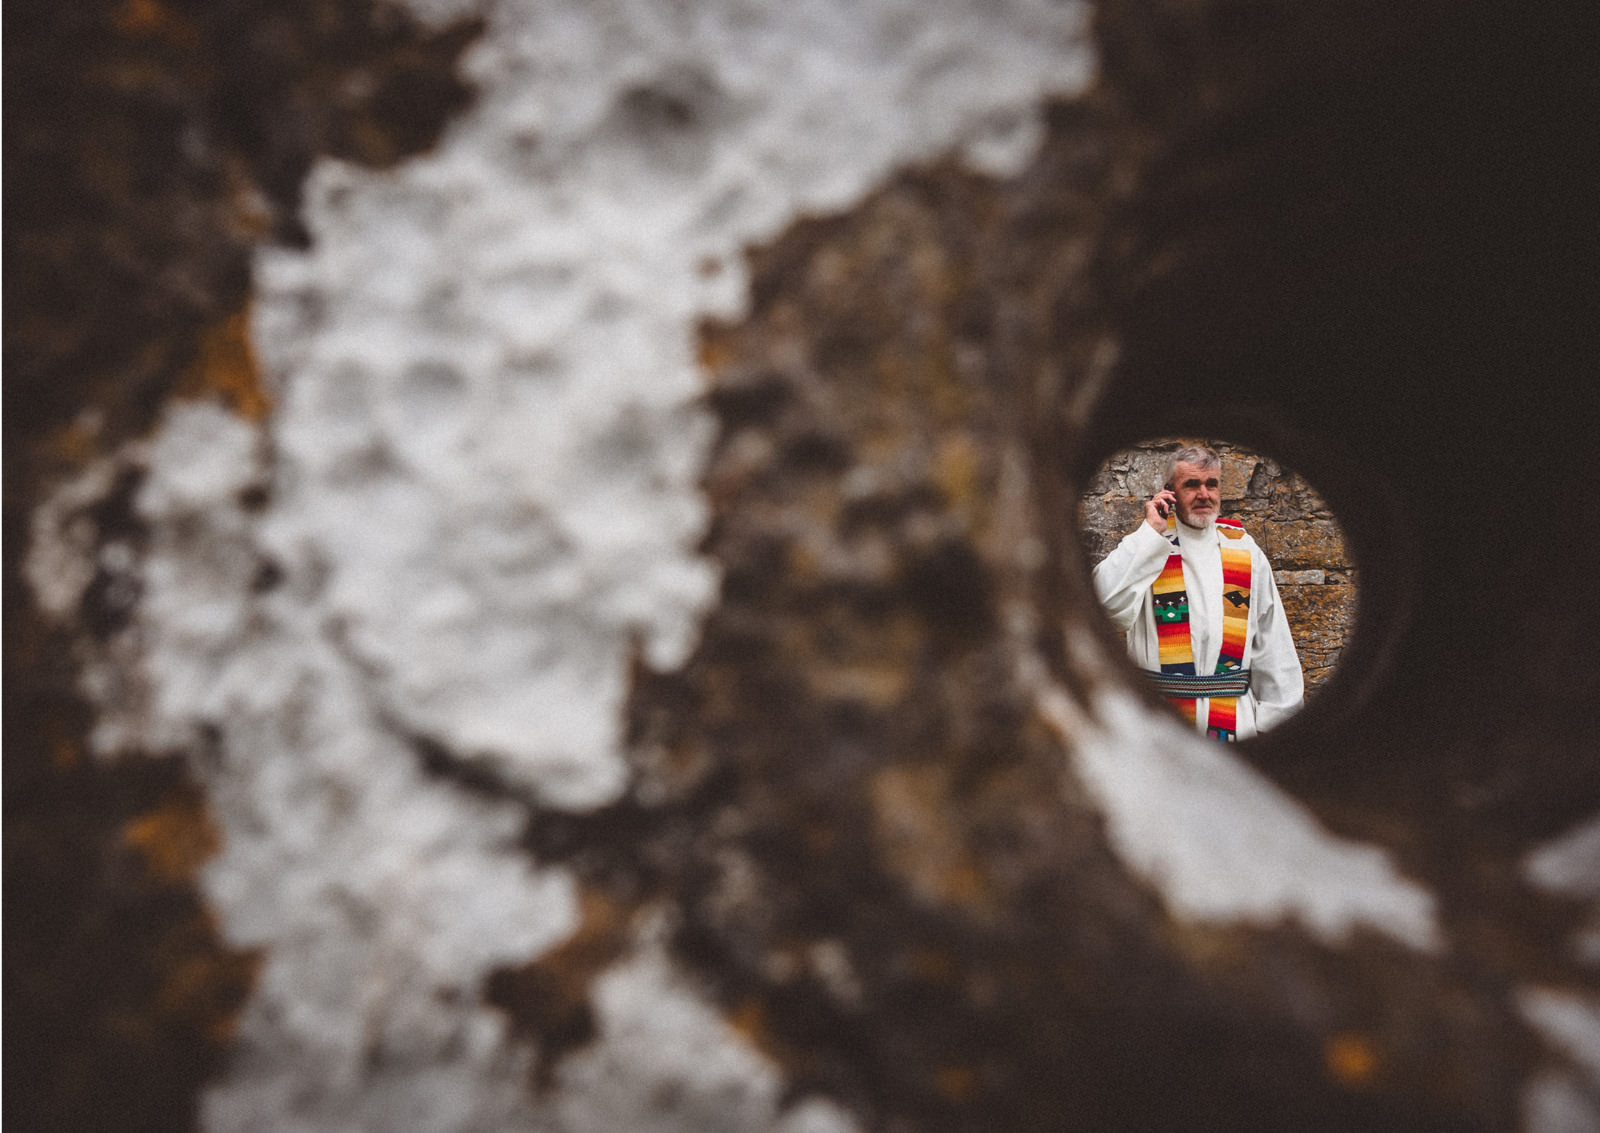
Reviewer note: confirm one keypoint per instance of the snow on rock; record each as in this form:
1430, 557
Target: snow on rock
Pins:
1570, 865
1565, 1096
490, 432
479, 500
1219, 841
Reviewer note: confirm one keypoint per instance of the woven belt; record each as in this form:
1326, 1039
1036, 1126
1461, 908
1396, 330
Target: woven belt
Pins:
1236, 683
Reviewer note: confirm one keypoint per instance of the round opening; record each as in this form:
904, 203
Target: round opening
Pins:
1239, 616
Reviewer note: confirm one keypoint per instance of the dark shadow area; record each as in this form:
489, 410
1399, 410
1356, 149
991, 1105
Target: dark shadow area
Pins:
1384, 255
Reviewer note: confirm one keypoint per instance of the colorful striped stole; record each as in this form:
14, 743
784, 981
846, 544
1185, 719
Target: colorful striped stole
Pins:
1172, 628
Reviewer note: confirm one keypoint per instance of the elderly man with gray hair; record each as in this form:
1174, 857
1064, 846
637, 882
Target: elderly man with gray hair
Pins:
1196, 598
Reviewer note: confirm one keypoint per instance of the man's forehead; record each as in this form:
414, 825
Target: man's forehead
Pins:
1187, 471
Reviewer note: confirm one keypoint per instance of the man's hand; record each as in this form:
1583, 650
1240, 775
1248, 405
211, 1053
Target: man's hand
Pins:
1152, 514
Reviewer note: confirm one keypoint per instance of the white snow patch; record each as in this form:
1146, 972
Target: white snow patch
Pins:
1570, 866
60, 561
665, 1060
1218, 840
1556, 1102
1568, 1021
1565, 1096
816, 1115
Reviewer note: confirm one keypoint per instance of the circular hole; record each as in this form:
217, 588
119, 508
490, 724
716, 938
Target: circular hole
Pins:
1279, 598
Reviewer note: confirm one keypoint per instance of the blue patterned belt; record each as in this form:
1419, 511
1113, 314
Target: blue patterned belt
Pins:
1188, 687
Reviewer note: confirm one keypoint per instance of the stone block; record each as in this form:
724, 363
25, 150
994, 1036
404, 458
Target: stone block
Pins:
1302, 544
1237, 474
1321, 617
1300, 577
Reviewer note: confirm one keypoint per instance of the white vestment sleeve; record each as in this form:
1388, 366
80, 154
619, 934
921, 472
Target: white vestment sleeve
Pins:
1275, 676
1124, 577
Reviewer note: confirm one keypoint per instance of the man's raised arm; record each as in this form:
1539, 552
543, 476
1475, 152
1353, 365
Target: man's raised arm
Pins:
1125, 576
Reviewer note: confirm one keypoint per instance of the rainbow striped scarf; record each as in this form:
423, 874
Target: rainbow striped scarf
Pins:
1176, 647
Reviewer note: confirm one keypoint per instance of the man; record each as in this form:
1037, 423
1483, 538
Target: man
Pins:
1196, 597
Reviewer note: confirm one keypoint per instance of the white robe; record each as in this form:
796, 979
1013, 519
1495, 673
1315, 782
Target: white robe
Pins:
1123, 582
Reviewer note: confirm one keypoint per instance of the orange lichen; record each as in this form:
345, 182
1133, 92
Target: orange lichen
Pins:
249, 211
749, 1018
600, 936
802, 561
879, 686
226, 367
964, 884
65, 754
74, 444
139, 16
957, 469
201, 982
1351, 1060
957, 1083
59, 734
821, 839
176, 838
151, 18
918, 829
932, 965
715, 350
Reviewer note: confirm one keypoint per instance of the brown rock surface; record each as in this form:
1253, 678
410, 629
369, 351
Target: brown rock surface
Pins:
1321, 616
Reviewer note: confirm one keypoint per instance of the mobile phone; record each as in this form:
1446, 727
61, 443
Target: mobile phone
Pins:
1161, 505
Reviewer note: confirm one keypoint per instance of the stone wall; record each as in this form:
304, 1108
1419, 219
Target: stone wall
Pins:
1293, 524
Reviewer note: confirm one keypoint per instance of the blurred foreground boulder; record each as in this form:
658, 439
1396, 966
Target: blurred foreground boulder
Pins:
544, 587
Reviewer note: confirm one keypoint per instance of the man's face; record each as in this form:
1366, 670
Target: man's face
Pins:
1199, 492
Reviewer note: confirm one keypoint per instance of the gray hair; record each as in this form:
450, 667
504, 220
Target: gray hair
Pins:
1197, 455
